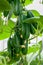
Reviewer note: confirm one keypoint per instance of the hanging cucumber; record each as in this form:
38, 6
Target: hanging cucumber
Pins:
9, 44
24, 16
23, 25
10, 48
23, 30
5, 13
15, 44
14, 47
16, 7
17, 47
25, 48
32, 30
27, 29
29, 14
35, 25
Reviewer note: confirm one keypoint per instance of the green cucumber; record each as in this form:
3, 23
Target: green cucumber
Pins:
27, 29
16, 7
16, 44
32, 30
5, 13
24, 50
10, 47
35, 25
29, 14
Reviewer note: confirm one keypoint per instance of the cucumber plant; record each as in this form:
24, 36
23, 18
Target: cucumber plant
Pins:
18, 44
26, 24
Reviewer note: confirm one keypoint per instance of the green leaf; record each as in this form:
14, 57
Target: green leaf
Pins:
28, 2
34, 49
32, 20
38, 19
4, 5
6, 30
36, 13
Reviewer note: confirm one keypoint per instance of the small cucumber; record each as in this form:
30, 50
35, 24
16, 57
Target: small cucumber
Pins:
32, 30
16, 7
5, 13
29, 14
10, 47
35, 25
27, 29
25, 49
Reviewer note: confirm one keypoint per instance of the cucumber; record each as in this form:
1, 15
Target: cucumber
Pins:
32, 30
35, 25
23, 30
17, 47
5, 13
24, 16
27, 29
24, 50
16, 7
29, 14
32, 25
10, 47
16, 44
9, 44
13, 46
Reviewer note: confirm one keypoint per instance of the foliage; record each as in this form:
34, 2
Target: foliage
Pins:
5, 30
4, 5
